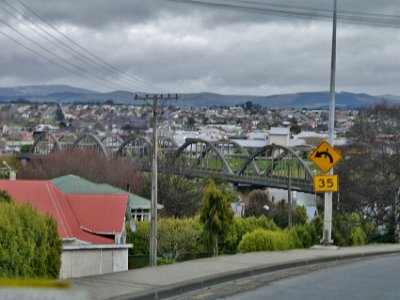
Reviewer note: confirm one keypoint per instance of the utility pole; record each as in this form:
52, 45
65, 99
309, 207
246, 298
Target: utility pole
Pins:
397, 216
153, 213
290, 199
327, 233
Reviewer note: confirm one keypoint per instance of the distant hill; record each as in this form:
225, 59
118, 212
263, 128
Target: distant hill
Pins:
68, 94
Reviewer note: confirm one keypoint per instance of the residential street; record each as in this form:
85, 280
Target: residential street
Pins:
368, 279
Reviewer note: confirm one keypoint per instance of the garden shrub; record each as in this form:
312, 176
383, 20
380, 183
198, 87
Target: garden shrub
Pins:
347, 230
301, 236
358, 237
241, 226
175, 237
315, 228
265, 240
140, 238
29, 243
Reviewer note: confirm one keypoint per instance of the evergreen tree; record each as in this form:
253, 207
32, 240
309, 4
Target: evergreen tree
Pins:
216, 215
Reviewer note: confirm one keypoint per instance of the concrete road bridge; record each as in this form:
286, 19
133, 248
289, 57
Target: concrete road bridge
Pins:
271, 166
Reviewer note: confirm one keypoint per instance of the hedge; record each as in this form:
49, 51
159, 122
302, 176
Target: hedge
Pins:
29, 243
175, 238
241, 226
266, 240
178, 238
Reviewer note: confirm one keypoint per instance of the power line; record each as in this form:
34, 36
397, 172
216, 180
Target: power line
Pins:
351, 17
84, 73
89, 54
48, 37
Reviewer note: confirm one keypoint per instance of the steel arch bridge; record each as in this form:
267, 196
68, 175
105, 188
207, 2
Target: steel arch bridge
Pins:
272, 166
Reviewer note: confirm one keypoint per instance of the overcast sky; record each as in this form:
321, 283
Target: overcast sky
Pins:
165, 46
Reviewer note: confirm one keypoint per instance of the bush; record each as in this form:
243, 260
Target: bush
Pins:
265, 240
175, 237
241, 226
347, 230
316, 228
279, 212
301, 236
358, 237
140, 238
29, 243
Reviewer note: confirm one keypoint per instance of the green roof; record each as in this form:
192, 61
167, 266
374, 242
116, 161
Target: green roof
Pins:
72, 184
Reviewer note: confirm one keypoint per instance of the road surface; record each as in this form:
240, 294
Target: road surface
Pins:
368, 279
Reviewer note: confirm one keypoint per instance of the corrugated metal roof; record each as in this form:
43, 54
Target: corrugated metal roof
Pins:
102, 219
72, 184
72, 212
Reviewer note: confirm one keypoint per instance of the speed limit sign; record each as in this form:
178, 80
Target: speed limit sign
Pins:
326, 183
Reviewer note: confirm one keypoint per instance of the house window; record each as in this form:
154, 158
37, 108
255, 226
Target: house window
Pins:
140, 214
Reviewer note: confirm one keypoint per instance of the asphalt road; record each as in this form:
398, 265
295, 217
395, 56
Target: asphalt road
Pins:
367, 279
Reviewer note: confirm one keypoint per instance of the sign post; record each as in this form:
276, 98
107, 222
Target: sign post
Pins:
325, 157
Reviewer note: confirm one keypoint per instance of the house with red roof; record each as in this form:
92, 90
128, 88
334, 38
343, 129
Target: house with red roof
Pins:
91, 226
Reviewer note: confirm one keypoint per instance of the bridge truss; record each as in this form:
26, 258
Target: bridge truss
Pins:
272, 166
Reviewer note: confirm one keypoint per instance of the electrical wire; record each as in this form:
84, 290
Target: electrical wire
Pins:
89, 54
45, 35
84, 72
351, 17
89, 65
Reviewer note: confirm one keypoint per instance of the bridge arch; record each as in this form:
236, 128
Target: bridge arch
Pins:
234, 154
135, 146
90, 142
278, 161
201, 155
111, 142
45, 143
166, 147
66, 140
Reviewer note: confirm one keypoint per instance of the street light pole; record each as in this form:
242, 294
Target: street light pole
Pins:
153, 234
327, 232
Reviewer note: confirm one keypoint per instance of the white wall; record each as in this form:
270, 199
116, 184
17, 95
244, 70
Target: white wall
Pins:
86, 260
282, 140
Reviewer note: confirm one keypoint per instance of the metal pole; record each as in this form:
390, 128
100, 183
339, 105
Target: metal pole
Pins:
153, 225
327, 232
290, 200
396, 216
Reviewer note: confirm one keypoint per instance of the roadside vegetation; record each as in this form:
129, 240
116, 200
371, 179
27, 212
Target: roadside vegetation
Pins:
29, 243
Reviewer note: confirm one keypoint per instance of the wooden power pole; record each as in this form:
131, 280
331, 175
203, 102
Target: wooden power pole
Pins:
153, 214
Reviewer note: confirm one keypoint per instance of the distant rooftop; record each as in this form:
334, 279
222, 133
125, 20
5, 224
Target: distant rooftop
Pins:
279, 131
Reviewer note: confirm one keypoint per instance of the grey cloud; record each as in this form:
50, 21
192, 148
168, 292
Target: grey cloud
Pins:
186, 48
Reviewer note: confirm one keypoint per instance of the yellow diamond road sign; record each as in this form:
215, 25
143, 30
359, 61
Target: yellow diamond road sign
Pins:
325, 157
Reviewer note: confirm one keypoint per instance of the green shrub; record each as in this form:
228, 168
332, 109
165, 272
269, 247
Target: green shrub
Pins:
175, 237
347, 230
316, 227
140, 238
279, 212
265, 240
241, 226
29, 243
358, 237
301, 236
